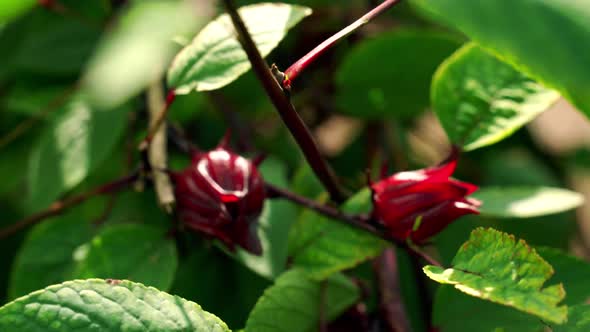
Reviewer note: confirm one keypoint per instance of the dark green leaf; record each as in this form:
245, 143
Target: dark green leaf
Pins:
525, 202
293, 303
570, 271
215, 58
390, 74
273, 227
48, 255
457, 312
578, 320
110, 306
73, 145
480, 100
548, 43
321, 246
495, 267
134, 252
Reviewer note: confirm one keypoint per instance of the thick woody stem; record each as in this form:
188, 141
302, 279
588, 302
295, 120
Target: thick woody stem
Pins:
292, 72
286, 110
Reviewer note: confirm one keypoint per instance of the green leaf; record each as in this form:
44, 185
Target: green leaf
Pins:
48, 254
457, 312
578, 320
273, 227
10, 9
215, 58
495, 267
137, 50
150, 258
390, 75
105, 305
548, 43
48, 44
293, 303
480, 100
321, 246
73, 145
526, 202
570, 271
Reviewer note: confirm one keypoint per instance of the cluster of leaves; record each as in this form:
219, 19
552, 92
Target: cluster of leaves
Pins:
484, 78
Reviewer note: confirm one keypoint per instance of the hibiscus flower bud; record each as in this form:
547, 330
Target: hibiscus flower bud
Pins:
418, 204
221, 195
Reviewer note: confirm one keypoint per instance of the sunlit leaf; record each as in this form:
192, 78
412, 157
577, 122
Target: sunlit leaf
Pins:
526, 202
480, 100
105, 305
215, 58
494, 266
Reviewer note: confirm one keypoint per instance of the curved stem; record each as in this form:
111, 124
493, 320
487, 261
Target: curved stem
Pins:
295, 69
158, 120
60, 206
286, 110
356, 221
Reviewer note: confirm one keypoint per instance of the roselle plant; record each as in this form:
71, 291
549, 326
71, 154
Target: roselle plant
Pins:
318, 166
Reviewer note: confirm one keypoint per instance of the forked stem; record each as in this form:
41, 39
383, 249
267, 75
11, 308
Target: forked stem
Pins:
292, 72
286, 110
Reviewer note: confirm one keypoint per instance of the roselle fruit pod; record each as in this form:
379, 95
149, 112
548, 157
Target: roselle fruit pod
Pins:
419, 204
221, 195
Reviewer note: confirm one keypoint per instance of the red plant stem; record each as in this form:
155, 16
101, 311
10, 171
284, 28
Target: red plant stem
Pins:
161, 117
392, 305
286, 110
295, 69
355, 221
60, 206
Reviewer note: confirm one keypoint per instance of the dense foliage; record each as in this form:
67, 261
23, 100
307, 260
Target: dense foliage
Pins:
159, 175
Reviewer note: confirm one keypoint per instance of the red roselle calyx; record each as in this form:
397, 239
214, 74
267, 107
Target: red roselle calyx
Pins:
221, 195
418, 204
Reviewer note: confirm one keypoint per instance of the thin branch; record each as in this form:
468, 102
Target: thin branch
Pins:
286, 110
51, 107
59, 207
157, 152
157, 121
295, 69
355, 221
392, 305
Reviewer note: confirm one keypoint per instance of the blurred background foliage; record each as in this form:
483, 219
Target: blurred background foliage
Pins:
72, 109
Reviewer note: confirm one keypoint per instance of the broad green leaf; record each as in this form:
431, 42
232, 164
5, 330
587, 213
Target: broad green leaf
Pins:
225, 279
10, 9
215, 58
134, 252
73, 145
48, 254
494, 266
136, 51
480, 100
548, 43
570, 271
526, 202
578, 320
321, 246
457, 312
293, 302
390, 74
273, 227
105, 305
